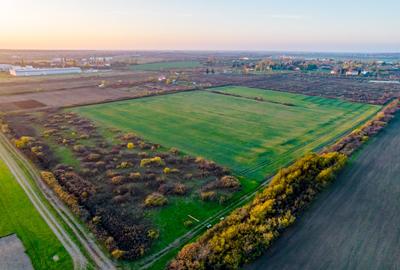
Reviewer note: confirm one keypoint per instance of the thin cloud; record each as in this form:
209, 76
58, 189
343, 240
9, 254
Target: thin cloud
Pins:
186, 15
287, 16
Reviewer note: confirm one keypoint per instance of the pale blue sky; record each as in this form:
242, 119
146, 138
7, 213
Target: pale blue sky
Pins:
302, 25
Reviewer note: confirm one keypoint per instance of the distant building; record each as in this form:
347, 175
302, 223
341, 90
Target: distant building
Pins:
352, 73
97, 61
365, 73
30, 71
5, 67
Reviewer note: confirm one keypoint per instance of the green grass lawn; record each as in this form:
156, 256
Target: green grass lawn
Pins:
166, 65
253, 138
19, 216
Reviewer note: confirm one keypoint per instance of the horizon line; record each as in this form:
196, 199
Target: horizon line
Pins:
211, 50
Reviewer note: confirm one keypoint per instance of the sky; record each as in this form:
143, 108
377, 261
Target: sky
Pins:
263, 25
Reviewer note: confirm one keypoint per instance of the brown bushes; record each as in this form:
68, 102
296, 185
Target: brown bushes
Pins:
69, 199
208, 195
155, 199
111, 176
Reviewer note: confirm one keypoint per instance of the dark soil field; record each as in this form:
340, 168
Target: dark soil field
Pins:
25, 94
40, 84
355, 223
351, 89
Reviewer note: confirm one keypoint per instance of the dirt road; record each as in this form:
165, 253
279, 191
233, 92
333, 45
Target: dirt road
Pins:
97, 257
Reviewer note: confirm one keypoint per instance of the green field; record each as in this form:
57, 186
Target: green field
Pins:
166, 65
19, 216
355, 223
253, 138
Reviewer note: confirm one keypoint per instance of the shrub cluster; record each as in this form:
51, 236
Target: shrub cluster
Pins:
114, 183
249, 230
155, 199
69, 199
152, 161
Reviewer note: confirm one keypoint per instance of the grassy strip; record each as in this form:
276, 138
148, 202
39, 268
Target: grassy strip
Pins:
29, 170
19, 216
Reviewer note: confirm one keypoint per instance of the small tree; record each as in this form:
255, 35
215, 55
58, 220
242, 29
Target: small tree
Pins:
117, 253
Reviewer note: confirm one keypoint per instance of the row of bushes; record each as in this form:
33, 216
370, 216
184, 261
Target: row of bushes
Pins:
68, 199
348, 144
249, 230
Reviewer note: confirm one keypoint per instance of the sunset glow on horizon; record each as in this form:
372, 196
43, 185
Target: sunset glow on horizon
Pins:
367, 26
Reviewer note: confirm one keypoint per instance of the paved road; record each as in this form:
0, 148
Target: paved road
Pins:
97, 256
355, 223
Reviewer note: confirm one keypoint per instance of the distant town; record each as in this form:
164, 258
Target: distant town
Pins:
373, 67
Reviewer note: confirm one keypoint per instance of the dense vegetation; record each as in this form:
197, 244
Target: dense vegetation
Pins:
249, 230
253, 137
19, 216
115, 181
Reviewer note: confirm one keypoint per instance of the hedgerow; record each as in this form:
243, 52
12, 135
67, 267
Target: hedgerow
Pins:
251, 229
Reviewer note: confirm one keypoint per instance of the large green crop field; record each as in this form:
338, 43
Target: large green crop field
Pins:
252, 137
166, 65
19, 216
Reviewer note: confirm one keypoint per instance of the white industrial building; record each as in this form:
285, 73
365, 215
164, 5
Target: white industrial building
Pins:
31, 71
5, 67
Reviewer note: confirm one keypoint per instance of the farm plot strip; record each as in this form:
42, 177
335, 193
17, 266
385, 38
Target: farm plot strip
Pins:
20, 216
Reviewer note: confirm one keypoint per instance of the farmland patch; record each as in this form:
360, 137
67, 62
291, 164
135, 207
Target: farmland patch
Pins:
252, 137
